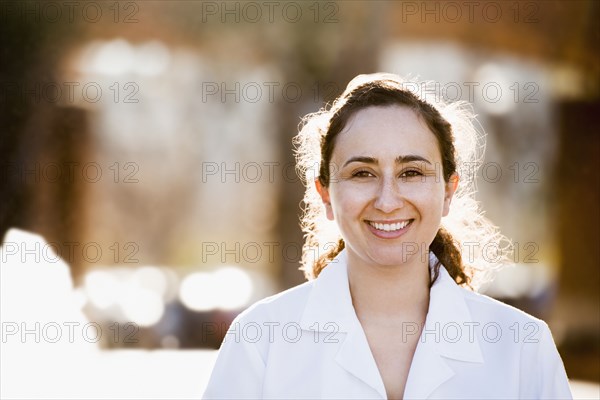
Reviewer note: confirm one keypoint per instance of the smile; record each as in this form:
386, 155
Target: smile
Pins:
390, 227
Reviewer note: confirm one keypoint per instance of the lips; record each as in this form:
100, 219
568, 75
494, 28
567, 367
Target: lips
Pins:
391, 229
390, 226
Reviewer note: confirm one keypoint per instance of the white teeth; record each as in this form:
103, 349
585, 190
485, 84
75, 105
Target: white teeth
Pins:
390, 227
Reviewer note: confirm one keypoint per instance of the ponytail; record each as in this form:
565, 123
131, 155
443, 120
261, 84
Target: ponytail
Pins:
326, 258
449, 255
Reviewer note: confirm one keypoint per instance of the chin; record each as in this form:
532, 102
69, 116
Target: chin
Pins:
400, 254
389, 258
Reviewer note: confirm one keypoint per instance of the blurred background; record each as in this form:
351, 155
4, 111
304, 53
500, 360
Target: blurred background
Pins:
147, 183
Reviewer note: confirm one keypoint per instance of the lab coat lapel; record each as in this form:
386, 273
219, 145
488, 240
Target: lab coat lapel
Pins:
330, 302
446, 336
427, 372
355, 356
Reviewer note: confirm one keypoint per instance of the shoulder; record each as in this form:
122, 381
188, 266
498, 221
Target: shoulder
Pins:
487, 308
484, 309
524, 341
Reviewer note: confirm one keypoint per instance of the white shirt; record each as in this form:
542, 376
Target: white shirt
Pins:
307, 342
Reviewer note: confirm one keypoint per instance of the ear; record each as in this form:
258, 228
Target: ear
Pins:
450, 188
324, 193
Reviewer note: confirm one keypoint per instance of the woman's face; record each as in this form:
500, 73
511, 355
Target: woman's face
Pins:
387, 191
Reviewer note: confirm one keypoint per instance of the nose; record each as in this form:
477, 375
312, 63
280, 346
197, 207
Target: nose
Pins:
388, 197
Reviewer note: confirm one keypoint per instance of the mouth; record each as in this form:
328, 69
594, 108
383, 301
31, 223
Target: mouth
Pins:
390, 226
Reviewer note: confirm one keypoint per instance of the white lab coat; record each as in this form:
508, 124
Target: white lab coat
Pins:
307, 342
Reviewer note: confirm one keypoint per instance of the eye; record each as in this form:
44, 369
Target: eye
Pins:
362, 174
411, 173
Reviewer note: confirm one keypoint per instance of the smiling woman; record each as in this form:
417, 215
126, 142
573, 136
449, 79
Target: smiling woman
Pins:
389, 310
387, 192
379, 109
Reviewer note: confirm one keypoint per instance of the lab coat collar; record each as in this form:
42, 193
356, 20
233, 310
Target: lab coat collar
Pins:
330, 301
449, 317
446, 334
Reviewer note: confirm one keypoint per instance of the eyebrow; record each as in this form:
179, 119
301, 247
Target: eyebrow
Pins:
399, 159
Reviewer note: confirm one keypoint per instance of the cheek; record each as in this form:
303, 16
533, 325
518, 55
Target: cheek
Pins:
349, 199
430, 199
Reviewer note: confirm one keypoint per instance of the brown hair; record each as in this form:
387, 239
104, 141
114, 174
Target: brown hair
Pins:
318, 136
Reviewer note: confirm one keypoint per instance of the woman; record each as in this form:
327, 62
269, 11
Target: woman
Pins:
388, 311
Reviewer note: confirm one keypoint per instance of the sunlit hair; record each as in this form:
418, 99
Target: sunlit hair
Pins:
461, 146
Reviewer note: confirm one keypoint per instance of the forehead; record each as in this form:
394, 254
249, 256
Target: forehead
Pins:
384, 132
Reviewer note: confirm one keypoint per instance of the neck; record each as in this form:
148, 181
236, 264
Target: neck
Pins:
386, 292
